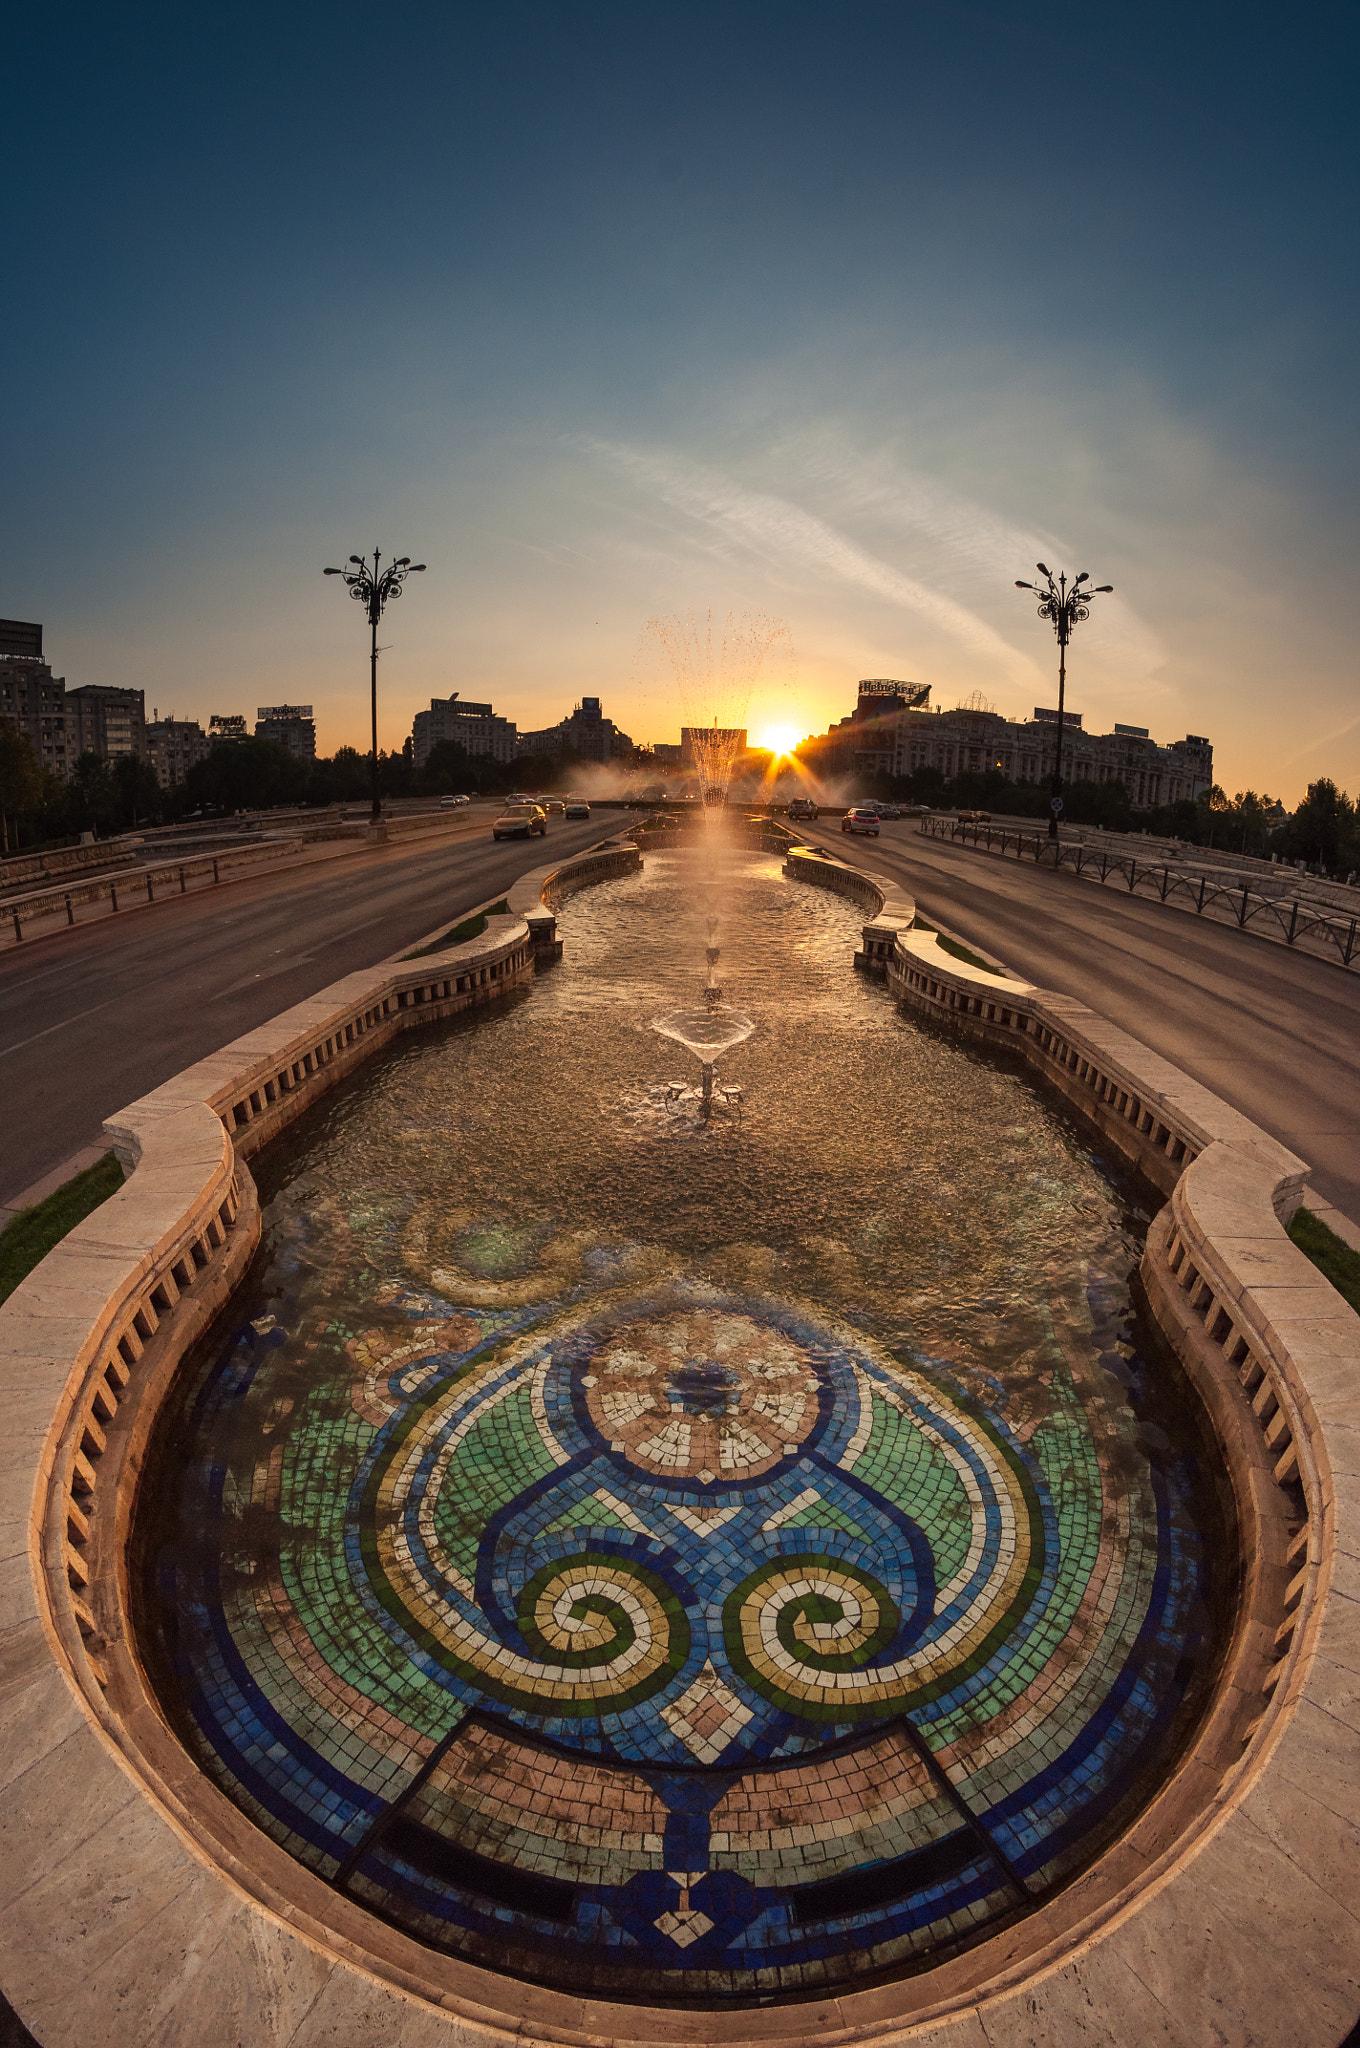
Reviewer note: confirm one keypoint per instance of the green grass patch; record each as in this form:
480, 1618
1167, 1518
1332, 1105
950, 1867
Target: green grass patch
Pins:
33, 1232
952, 947
470, 928
1331, 1255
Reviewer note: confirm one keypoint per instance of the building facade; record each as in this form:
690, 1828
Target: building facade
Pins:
474, 727
289, 726
586, 732
867, 742
108, 721
1025, 750
33, 699
174, 746
894, 733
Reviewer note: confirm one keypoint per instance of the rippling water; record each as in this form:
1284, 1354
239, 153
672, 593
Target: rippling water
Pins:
685, 1559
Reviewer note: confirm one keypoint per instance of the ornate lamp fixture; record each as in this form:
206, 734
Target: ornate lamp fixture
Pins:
1064, 607
373, 587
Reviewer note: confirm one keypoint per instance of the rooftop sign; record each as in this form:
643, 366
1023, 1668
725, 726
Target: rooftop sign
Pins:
886, 686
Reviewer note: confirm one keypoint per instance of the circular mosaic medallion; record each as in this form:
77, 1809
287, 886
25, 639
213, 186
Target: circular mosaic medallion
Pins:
588, 1524
703, 1395
650, 1634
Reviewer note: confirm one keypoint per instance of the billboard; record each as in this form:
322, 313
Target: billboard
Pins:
886, 686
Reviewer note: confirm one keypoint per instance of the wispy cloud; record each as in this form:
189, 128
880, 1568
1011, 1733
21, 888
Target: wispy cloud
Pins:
791, 541
970, 538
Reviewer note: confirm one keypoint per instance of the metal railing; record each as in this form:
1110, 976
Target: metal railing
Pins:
1287, 921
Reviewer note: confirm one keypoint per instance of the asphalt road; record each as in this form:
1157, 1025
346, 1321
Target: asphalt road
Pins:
94, 1017
1274, 1032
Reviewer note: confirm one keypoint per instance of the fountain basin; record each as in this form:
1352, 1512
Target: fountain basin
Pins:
707, 1494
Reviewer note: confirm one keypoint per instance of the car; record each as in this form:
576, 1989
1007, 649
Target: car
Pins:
803, 807
861, 819
975, 818
551, 804
446, 803
577, 807
520, 821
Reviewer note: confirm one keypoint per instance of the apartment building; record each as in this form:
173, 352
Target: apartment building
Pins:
174, 746
289, 726
108, 721
586, 732
474, 727
33, 699
893, 731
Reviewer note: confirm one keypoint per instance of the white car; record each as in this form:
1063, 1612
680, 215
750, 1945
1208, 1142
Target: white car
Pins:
861, 819
577, 807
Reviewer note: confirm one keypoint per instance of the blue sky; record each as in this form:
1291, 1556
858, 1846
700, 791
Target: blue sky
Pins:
844, 314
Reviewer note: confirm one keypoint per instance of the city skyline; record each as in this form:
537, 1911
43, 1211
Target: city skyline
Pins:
830, 319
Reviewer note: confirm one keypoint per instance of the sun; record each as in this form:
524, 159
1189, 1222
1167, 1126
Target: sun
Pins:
778, 739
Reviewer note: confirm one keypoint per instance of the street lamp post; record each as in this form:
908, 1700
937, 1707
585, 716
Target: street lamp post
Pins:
372, 587
1064, 608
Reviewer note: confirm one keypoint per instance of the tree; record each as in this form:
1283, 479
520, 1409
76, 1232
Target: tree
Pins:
21, 777
248, 774
396, 773
1214, 810
350, 778
1323, 828
94, 797
137, 791
448, 769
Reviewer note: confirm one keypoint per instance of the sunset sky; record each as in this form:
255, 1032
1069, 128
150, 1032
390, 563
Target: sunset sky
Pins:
845, 314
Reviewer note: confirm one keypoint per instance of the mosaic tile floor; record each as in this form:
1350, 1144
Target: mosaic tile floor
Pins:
602, 1618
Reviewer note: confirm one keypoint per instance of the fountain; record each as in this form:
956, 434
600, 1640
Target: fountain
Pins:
828, 1536
708, 1033
714, 673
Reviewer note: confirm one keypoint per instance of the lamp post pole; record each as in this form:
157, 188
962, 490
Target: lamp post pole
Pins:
1064, 607
374, 587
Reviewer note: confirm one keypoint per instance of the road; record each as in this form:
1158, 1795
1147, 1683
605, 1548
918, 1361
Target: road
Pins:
94, 1017
1274, 1032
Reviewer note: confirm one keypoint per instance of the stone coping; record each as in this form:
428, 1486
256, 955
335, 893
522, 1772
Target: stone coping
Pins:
141, 1906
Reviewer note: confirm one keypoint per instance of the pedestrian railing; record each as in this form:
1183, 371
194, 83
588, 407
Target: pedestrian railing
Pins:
1285, 920
126, 887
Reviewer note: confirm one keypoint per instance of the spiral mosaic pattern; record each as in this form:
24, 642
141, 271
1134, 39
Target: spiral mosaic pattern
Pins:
676, 1639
